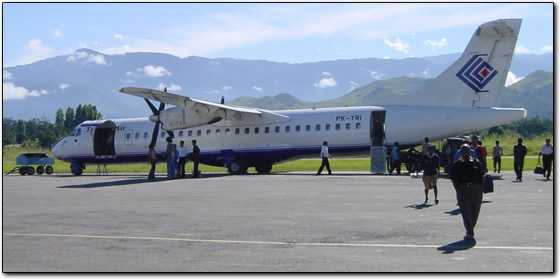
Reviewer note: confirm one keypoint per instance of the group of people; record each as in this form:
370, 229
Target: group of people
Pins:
176, 158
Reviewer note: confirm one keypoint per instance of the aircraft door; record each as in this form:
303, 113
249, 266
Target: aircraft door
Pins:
128, 137
104, 140
377, 138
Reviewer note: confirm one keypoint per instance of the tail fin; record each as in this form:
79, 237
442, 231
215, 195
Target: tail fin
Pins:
478, 77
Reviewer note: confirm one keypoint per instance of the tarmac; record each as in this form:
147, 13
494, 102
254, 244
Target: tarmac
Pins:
280, 222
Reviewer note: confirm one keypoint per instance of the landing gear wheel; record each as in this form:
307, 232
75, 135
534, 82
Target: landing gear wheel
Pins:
40, 170
238, 166
49, 170
263, 168
77, 171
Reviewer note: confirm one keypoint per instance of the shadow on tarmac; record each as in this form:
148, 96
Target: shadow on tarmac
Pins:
134, 180
457, 246
419, 206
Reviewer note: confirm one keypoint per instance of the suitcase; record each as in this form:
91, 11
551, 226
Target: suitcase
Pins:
488, 184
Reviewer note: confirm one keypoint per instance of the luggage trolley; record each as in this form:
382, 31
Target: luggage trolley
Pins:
27, 160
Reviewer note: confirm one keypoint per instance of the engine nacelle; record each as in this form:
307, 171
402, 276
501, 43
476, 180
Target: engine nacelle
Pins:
178, 118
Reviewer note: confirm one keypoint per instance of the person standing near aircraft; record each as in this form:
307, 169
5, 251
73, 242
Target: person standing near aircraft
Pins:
183, 151
195, 159
466, 175
395, 158
519, 152
170, 157
325, 158
430, 164
547, 152
498, 152
152, 157
480, 151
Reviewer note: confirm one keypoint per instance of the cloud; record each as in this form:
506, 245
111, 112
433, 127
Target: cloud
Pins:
326, 73
58, 34
172, 87
547, 49
87, 58
435, 44
326, 82
156, 71
374, 74
398, 45
257, 88
12, 92
64, 86
512, 78
34, 51
353, 85
6, 74
118, 37
426, 73
521, 50
227, 88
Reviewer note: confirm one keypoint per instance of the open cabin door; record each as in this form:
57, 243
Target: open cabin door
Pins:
377, 137
104, 140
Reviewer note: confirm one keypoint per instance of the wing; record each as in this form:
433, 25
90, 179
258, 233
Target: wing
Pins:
205, 109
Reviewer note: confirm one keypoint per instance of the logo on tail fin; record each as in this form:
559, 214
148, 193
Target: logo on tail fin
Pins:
477, 73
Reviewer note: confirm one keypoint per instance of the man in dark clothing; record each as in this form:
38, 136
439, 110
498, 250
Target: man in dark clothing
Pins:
467, 177
195, 159
519, 152
430, 164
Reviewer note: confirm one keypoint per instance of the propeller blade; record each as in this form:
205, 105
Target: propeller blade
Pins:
155, 134
161, 106
152, 107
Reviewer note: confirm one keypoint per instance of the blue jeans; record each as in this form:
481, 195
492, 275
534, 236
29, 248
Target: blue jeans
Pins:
171, 172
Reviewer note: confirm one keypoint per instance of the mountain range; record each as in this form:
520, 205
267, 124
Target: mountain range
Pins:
86, 76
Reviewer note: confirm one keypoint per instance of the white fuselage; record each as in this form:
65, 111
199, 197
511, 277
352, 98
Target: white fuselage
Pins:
347, 131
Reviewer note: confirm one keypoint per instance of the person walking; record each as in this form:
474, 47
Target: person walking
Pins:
152, 158
430, 164
195, 159
547, 152
170, 157
498, 152
395, 158
183, 151
519, 152
325, 158
467, 177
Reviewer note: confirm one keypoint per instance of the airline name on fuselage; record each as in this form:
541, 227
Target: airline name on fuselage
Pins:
342, 118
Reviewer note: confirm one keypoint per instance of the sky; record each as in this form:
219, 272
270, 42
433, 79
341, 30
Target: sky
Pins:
280, 32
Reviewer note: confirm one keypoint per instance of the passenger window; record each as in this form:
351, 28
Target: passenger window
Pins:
287, 129
317, 127
227, 131
189, 133
256, 130
247, 131
307, 128
137, 136
298, 128
237, 131
218, 132
208, 132
358, 126
146, 135
328, 127
266, 130
277, 129
198, 133
337, 126
181, 133
162, 135
348, 126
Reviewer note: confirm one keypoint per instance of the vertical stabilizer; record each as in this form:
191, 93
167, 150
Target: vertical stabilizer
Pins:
478, 77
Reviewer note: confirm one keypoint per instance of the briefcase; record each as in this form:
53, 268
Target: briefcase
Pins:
538, 168
488, 184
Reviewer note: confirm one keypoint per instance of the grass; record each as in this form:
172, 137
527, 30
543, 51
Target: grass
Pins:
9, 154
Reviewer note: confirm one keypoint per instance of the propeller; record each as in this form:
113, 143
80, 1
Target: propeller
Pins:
155, 113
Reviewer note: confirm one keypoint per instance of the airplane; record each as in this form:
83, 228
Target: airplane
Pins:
462, 99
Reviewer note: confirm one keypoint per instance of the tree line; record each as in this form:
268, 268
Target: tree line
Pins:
41, 132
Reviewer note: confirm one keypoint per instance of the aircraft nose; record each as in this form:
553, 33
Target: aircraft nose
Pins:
56, 149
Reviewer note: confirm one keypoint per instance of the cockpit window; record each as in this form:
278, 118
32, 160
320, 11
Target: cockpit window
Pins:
78, 132
73, 133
